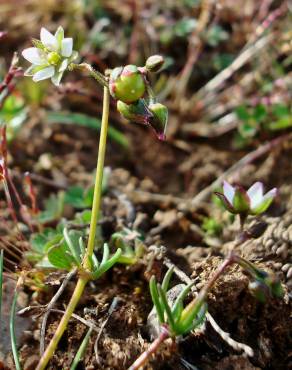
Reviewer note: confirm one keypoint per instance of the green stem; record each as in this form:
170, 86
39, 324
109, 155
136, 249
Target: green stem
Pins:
82, 281
49, 352
98, 179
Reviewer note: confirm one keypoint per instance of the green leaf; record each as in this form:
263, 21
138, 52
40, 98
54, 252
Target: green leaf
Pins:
72, 241
59, 257
1, 280
248, 129
75, 197
54, 207
242, 113
38, 241
155, 299
184, 27
281, 124
86, 121
81, 350
280, 110
12, 332
260, 113
215, 35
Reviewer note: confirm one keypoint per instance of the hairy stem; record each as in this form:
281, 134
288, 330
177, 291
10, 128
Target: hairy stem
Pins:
99, 77
82, 281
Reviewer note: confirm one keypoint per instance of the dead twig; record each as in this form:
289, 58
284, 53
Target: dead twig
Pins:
194, 49
111, 309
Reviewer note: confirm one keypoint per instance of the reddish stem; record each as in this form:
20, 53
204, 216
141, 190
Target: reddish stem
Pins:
143, 358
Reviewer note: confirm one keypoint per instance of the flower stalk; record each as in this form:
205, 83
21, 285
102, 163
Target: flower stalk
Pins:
84, 278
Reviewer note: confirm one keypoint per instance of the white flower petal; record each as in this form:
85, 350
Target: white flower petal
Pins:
64, 65
48, 39
255, 194
228, 191
270, 194
59, 36
33, 56
33, 69
67, 47
44, 74
265, 202
56, 79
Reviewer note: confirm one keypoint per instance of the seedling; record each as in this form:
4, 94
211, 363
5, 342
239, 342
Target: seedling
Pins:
51, 56
175, 319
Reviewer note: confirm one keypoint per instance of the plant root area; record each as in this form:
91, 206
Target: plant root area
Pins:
150, 189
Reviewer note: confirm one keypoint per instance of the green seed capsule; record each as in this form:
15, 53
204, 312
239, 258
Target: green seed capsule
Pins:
53, 58
136, 112
127, 84
159, 120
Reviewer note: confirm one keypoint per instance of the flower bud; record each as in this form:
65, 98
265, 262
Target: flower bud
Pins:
159, 120
154, 63
259, 290
136, 112
127, 84
275, 286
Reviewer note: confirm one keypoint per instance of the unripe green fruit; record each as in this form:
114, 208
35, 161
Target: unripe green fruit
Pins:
53, 58
136, 112
127, 84
159, 120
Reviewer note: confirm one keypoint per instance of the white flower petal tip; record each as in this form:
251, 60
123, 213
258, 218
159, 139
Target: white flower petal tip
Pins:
265, 202
33, 56
43, 74
228, 191
255, 193
67, 47
49, 40
271, 194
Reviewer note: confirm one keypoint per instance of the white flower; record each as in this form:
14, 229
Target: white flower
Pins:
50, 57
253, 201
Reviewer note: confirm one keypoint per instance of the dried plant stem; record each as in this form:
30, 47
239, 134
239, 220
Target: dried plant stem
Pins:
194, 49
143, 358
82, 281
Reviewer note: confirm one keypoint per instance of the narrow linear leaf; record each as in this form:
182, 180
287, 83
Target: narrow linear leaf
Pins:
1, 282
166, 280
155, 299
12, 332
81, 350
167, 308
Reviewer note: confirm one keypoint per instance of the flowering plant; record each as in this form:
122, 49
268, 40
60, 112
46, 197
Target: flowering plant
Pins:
251, 202
50, 56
